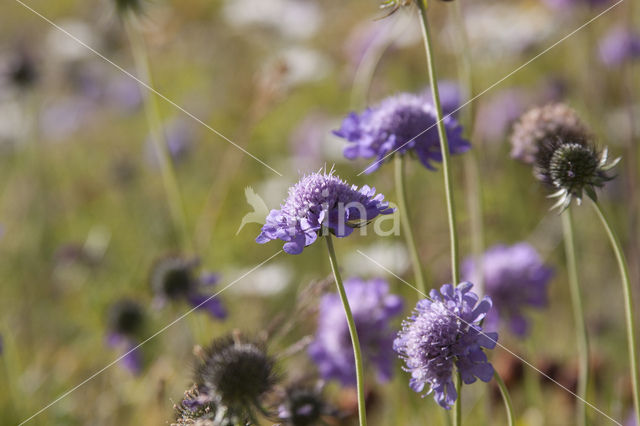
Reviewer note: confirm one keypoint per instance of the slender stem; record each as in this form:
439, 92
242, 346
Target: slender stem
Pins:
629, 310
506, 398
362, 415
174, 197
405, 222
457, 410
444, 145
578, 317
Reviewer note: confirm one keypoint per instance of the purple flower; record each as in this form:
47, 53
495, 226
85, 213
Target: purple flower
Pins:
321, 200
618, 46
125, 321
450, 97
444, 331
372, 307
179, 138
174, 278
515, 278
401, 123
497, 115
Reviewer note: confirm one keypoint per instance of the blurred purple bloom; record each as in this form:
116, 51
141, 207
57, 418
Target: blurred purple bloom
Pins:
515, 278
372, 307
450, 97
321, 200
618, 46
174, 278
444, 331
125, 322
179, 139
568, 5
65, 117
401, 123
496, 116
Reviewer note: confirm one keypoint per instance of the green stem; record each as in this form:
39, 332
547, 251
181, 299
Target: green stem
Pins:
362, 415
506, 398
578, 317
444, 145
405, 222
174, 197
628, 298
457, 410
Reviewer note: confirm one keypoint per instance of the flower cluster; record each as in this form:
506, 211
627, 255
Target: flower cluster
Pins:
444, 332
174, 278
400, 124
373, 308
515, 277
317, 201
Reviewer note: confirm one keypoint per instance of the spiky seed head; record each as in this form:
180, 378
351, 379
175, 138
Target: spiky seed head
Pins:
303, 406
125, 317
173, 277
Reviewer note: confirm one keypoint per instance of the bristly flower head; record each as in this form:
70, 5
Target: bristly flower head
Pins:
303, 405
373, 308
236, 374
404, 123
515, 278
571, 168
174, 278
444, 332
321, 200
542, 123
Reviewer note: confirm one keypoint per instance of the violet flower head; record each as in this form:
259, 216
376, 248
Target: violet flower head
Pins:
124, 323
444, 333
174, 278
397, 125
321, 200
619, 46
515, 278
373, 308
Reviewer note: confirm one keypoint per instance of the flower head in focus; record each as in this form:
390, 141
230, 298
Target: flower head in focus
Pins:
321, 200
444, 334
515, 278
174, 278
401, 124
373, 308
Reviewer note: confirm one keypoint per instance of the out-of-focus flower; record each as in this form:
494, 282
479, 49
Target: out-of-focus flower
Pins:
444, 332
321, 200
399, 124
515, 278
179, 138
174, 278
373, 308
61, 119
303, 406
551, 121
450, 96
569, 5
496, 116
236, 375
19, 70
125, 321
296, 19
618, 46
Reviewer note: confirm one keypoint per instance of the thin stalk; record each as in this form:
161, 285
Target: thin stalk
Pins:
629, 310
444, 145
405, 222
457, 409
172, 190
506, 398
578, 317
362, 415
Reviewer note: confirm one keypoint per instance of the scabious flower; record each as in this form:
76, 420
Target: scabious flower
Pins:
236, 375
444, 332
399, 124
321, 200
515, 278
174, 278
125, 320
373, 308
303, 406
542, 123
619, 46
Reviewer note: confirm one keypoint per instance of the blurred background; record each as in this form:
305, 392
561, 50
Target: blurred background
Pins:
84, 213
